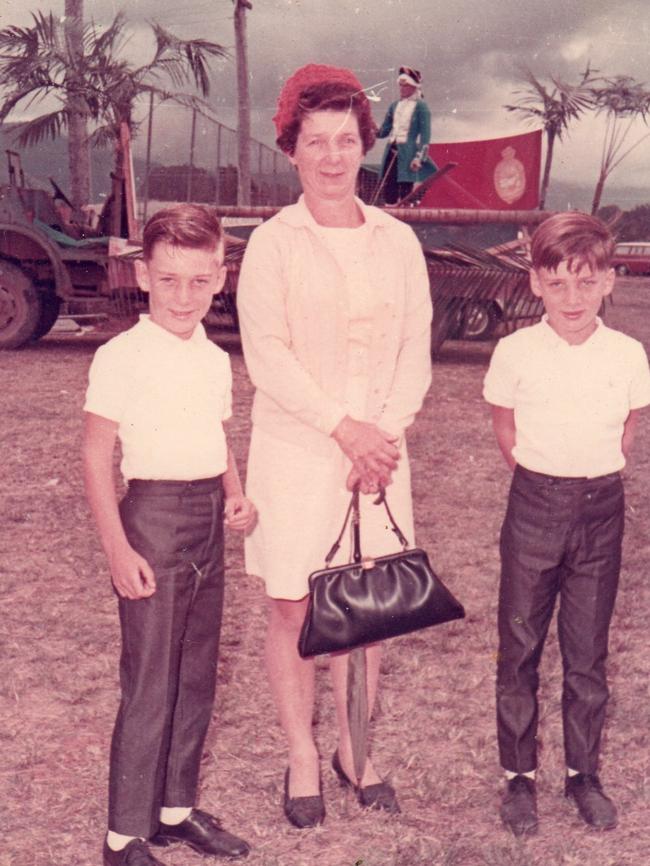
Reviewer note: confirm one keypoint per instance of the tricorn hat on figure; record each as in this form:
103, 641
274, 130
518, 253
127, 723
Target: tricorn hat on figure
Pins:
408, 75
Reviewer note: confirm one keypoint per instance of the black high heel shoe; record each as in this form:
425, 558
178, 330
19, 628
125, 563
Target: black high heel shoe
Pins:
381, 795
303, 812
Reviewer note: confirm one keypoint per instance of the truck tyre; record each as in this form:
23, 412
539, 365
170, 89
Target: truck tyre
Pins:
222, 314
442, 326
19, 307
49, 313
479, 320
622, 270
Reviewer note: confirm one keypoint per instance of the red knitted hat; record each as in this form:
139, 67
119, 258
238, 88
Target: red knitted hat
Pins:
301, 80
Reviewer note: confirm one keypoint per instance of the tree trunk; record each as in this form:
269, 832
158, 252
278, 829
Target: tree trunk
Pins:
550, 142
117, 190
243, 100
78, 146
598, 192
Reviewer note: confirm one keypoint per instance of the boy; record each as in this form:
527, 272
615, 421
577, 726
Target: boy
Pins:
564, 394
163, 389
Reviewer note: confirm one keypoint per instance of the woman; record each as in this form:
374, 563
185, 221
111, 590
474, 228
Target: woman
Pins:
335, 314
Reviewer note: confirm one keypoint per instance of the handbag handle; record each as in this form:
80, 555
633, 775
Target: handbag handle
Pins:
353, 510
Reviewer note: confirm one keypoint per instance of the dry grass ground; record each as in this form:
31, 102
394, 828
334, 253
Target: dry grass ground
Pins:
433, 732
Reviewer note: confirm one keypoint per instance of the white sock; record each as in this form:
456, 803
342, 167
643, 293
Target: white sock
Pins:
117, 841
175, 814
529, 775
571, 772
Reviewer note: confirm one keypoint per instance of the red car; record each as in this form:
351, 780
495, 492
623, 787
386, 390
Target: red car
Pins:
632, 258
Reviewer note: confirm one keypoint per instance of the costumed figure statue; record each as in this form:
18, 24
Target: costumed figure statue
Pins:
407, 126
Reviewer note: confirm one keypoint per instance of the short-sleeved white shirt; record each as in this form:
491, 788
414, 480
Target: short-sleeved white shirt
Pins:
168, 396
570, 402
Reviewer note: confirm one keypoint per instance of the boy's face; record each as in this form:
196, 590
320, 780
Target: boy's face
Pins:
181, 282
572, 299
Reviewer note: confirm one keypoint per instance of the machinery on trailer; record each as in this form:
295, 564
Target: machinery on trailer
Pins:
474, 291
43, 267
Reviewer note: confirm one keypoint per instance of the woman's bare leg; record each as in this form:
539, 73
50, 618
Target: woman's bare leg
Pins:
292, 685
339, 672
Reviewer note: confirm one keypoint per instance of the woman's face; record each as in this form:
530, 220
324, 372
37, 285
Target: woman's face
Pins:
328, 154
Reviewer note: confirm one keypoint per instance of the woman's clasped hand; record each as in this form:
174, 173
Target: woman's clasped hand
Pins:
372, 451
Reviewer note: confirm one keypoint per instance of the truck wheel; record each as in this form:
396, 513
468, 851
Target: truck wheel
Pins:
622, 270
222, 314
19, 307
479, 320
442, 326
49, 313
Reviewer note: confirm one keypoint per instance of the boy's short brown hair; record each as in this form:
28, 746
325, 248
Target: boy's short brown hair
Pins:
195, 226
574, 237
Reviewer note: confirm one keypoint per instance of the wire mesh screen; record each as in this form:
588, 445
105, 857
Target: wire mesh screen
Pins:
187, 156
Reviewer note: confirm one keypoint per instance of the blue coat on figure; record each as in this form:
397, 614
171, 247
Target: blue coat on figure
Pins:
407, 125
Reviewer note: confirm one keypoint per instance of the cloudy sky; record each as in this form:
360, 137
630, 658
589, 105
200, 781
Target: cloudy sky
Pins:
471, 54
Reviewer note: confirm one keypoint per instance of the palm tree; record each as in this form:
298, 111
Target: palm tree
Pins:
622, 100
554, 106
34, 68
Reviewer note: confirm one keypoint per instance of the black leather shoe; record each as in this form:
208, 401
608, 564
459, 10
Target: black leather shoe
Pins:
303, 812
381, 795
519, 806
204, 834
594, 807
136, 853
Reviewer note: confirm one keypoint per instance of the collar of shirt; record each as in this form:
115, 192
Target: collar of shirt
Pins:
198, 338
554, 339
299, 215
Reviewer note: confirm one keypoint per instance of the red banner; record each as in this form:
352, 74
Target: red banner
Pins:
495, 174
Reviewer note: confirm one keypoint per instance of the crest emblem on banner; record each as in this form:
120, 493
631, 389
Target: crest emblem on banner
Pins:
509, 176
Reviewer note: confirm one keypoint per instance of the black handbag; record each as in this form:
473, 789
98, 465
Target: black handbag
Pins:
370, 600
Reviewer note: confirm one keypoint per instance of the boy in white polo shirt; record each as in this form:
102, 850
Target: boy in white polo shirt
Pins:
164, 390
564, 395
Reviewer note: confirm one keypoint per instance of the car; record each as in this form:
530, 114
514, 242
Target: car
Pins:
632, 257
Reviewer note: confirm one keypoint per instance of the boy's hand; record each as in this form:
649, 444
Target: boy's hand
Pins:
132, 575
239, 512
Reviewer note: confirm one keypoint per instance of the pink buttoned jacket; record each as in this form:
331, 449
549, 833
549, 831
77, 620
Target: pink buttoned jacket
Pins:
294, 326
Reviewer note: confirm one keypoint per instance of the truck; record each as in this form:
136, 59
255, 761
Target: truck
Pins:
44, 269
41, 267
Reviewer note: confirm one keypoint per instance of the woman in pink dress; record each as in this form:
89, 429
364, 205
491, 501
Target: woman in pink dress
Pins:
335, 316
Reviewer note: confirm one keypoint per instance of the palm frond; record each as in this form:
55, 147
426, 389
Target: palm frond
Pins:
555, 105
24, 96
103, 136
185, 60
104, 44
622, 96
40, 60
47, 126
186, 100
29, 41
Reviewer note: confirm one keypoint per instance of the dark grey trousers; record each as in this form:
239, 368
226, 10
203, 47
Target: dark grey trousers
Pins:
170, 643
394, 189
560, 537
